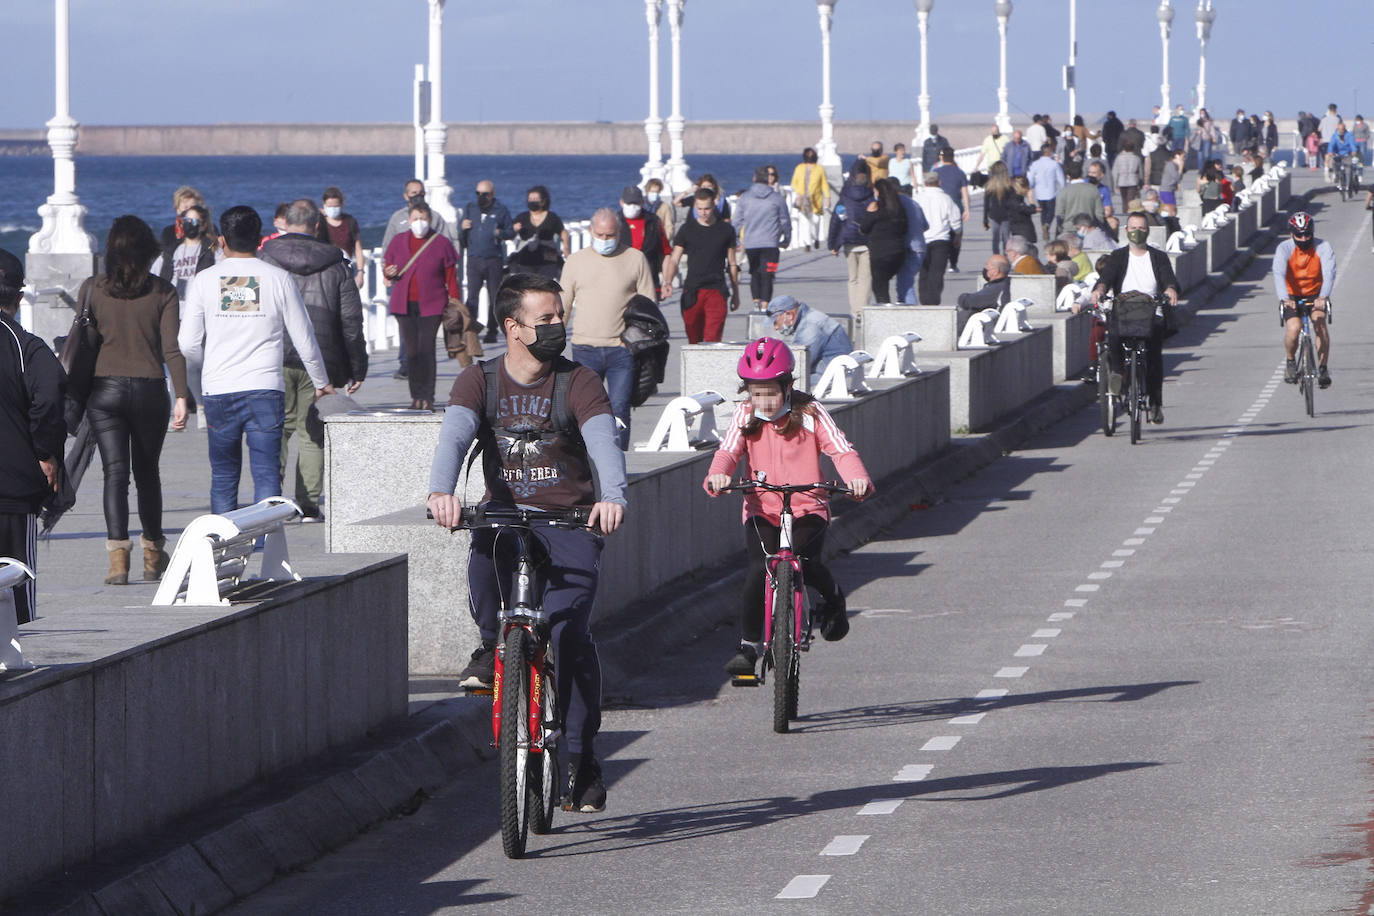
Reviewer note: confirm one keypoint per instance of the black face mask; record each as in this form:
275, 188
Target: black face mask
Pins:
416, 199
986, 278
1304, 244
1094, 180
484, 200
549, 340
190, 228
535, 205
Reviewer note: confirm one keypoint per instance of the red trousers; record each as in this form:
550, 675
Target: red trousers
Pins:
705, 317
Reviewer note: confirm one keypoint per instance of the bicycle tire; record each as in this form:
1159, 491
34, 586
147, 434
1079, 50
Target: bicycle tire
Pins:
1307, 377
1106, 407
783, 649
515, 731
1134, 394
542, 781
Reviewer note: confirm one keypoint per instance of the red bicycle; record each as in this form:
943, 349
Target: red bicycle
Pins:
786, 606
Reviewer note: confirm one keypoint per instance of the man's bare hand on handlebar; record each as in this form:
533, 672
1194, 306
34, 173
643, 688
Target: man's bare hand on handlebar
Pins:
606, 517
446, 508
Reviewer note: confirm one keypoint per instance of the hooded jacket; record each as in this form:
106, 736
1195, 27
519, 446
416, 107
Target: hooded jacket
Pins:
762, 219
844, 219
325, 280
32, 385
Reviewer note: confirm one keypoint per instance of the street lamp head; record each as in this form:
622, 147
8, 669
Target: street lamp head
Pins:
925, 6
1205, 15
1002, 8
1165, 13
827, 3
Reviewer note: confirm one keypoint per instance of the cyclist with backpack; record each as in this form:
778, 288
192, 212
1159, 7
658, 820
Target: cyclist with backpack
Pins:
542, 424
783, 432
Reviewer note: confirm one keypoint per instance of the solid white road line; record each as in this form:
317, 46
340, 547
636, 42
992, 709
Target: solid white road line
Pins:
844, 845
803, 887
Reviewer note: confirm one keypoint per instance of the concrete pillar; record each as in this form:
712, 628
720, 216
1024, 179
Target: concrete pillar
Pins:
1003, 10
923, 8
653, 124
676, 177
1165, 15
437, 191
826, 152
421, 118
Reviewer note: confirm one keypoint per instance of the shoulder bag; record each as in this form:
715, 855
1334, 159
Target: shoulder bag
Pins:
77, 353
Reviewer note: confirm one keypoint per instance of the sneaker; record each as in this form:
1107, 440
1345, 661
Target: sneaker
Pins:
1323, 377
742, 665
312, 518
400, 374
481, 670
1089, 376
1290, 372
834, 618
586, 793
1156, 414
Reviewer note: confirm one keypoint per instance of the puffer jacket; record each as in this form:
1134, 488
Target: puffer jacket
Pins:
331, 298
762, 219
32, 386
844, 219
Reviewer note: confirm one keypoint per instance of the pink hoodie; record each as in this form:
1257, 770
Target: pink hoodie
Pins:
787, 460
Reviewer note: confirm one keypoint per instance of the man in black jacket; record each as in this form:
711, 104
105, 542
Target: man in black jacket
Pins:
331, 298
996, 292
1139, 268
32, 386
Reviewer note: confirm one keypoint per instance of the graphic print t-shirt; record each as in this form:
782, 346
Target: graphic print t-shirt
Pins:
548, 473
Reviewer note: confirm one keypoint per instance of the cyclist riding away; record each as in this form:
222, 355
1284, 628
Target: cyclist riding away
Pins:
542, 423
783, 432
1143, 270
1304, 268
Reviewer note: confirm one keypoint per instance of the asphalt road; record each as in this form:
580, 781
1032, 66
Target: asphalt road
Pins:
1094, 679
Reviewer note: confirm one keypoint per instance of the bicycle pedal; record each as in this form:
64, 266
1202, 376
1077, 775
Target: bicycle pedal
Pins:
478, 691
745, 680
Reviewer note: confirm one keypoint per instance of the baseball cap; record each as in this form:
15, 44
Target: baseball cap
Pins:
11, 268
783, 303
632, 195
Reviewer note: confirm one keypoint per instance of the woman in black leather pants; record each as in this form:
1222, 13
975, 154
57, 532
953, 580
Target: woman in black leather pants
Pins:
137, 316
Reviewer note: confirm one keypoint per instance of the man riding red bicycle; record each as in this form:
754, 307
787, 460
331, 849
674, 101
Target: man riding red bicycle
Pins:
543, 422
1304, 268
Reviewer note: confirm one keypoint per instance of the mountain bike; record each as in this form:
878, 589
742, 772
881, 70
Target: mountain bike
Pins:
525, 726
1307, 353
1345, 175
787, 630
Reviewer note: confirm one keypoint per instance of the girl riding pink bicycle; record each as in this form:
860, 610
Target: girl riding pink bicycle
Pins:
783, 432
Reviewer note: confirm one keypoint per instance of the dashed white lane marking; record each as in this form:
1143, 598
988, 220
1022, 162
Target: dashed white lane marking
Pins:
1059, 616
1113, 564
1141, 531
1030, 650
803, 887
1124, 552
913, 772
844, 845
1099, 575
1010, 672
1076, 602
972, 718
881, 806
941, 743
1046, 633
1087, 588
1133, 542
1154, 520
991, 693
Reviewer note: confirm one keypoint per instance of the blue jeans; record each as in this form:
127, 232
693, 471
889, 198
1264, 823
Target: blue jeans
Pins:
906, 277
616, 367
257, 416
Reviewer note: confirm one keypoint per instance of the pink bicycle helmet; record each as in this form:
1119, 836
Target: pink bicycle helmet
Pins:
766, 360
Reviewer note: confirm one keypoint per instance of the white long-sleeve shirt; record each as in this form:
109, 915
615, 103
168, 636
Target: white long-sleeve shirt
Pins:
235, 319
941, 213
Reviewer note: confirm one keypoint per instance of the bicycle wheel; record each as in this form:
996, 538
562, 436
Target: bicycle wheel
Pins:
1307, 374
515, 742
784, 650
1105, 403
542, 784
1135, 392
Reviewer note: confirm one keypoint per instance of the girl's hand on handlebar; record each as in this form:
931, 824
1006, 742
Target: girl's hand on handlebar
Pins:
446, 508
606, 517
716, 482
860, 487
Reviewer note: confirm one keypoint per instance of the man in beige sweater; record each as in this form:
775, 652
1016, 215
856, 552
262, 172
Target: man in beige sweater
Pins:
598, 283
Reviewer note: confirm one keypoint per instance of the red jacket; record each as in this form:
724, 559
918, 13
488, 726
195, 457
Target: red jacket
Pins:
788, 460
435, 273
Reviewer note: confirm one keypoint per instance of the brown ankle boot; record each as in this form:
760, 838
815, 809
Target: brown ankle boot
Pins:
155, 559
119, 562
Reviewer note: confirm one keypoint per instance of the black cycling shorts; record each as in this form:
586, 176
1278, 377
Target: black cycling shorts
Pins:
1289, 313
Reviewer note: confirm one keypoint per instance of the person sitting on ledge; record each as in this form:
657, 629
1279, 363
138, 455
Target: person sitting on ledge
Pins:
995, 292
1020, 258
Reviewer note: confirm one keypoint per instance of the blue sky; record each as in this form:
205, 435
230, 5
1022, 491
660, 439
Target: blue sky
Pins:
205, 61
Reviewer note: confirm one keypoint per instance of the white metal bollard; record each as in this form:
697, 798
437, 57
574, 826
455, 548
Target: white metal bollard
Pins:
843, 378
670, 433
897, 356
13, 574
1012, 318
978, 332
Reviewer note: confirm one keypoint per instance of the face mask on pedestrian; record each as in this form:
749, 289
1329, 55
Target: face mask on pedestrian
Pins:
190, 228
484, 199
653, 198
1137, 236
280, 227
603, 246
419, 228
549, 340
986, 278
782, 411
1150, 205
1304, 244
416, 197
631, 211
1094, 180
333, 212
535, 205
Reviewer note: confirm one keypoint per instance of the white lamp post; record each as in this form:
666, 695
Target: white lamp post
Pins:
653, 124
826, 152
1070, 76
63, 231
1165, 15
676, 178
1003, 10
1205, 17
923, 8
437, 190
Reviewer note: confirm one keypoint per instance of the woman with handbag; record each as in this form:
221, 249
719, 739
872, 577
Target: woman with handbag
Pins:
422, 267
136, 315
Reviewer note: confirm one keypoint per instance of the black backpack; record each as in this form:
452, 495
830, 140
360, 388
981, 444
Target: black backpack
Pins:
646, 337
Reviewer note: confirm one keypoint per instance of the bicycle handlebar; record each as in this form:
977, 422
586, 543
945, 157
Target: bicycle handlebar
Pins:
500, 516
745, 486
